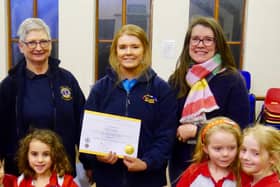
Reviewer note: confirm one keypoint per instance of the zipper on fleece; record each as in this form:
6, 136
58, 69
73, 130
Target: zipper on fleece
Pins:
54, 104
127, 103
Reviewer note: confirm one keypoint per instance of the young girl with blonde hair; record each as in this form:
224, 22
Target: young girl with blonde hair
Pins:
215, 160
43, 162
260, 157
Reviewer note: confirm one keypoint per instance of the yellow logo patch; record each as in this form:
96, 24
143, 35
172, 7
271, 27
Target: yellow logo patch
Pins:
150, 99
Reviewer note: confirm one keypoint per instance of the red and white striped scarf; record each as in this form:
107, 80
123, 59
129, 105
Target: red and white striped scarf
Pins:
200, 98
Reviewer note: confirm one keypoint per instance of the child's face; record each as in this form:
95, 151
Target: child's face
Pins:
1, 171
39, 157
221, 148
253, 160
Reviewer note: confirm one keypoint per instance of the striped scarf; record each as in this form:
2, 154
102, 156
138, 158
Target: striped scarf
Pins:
200, 98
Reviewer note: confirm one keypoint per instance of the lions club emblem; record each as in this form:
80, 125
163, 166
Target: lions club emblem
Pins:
66, 93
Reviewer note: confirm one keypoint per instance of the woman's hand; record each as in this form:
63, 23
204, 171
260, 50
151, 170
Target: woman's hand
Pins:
134, 164
111, 158
186, 131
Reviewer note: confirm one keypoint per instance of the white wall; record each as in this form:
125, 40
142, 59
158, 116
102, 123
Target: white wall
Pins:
3, 40
262, 44
262, 49
170, 21
77, 39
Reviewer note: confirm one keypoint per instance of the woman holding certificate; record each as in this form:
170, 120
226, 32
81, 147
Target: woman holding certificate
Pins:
132, 89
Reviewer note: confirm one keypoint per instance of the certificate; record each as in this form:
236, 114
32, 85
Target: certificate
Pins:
102, 133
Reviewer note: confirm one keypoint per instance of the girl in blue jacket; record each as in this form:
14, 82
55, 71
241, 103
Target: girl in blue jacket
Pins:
132, 89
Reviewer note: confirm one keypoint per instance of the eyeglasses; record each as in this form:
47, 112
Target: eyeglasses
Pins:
33, 44
207, 41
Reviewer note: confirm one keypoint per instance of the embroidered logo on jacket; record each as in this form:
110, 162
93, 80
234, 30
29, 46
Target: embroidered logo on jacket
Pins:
66, 93
150, 99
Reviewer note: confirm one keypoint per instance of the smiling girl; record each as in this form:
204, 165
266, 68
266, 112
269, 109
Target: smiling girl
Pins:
215, 157
260, 157
131, 88
43, 162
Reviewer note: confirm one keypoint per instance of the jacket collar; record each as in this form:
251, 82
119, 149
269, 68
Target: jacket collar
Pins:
20, 67
146, 76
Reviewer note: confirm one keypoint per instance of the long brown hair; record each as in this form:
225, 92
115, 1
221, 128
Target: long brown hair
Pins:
177, 79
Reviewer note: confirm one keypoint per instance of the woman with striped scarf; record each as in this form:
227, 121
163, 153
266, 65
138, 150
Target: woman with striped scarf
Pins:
207, 84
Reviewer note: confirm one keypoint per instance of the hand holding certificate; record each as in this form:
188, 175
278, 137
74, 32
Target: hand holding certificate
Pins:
102, 133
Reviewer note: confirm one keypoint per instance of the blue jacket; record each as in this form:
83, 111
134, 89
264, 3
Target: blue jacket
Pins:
231, 96
158, 127
67, 112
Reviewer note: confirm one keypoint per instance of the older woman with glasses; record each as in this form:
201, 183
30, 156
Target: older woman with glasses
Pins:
208, 85
37, 93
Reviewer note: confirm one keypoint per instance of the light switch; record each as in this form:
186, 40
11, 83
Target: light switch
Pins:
168, 48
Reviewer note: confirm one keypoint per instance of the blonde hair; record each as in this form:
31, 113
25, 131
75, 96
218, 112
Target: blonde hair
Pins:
132, 30
268, 139
217, 124
60, 162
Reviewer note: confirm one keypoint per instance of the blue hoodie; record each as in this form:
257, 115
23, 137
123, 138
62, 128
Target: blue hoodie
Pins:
151, 100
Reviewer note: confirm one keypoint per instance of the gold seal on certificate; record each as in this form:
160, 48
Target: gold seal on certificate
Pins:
129, 149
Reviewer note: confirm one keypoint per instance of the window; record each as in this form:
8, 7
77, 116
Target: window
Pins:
111, 15
230, 15
20, 10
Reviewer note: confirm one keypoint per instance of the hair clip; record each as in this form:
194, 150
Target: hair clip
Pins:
215, 123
